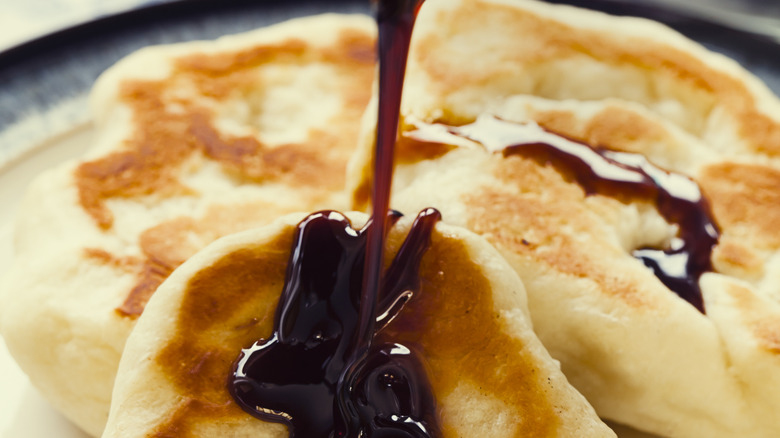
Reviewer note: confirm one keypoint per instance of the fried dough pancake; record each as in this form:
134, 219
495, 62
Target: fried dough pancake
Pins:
192, 141
640, 354
470, 309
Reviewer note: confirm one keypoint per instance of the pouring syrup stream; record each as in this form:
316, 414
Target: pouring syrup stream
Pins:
320, 372
395, 19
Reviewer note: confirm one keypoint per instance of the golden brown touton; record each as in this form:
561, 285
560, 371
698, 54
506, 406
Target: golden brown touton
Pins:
638, 352
488, 371
191, 142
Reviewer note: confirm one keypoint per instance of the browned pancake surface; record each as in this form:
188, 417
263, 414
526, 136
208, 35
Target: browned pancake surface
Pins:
452, 320
171, 128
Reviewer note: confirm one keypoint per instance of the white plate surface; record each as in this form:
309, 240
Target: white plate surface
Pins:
23, 412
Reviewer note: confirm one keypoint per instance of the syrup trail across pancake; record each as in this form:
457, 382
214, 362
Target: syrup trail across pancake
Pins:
611, 173
320, 372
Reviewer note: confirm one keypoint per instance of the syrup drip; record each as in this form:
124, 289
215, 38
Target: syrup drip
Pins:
395, 20
296, 376
320, 372
610, 173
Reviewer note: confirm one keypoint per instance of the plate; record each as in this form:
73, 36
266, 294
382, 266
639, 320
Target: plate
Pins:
44, 118
23, 412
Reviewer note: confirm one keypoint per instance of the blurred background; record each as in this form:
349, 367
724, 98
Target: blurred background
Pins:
760, 16
24, 20
51, 51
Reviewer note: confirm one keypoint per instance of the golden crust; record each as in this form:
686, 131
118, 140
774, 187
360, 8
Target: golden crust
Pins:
534, 213
173, 125
226, 307
762, 324
170, 126
745, 199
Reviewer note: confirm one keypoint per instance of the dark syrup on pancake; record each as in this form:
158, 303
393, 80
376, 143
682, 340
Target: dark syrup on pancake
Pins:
612, 173
312, 373
320, 372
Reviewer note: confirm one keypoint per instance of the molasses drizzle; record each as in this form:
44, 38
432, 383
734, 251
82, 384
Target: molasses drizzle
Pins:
320, 372
298, 377
612, 173
395, 20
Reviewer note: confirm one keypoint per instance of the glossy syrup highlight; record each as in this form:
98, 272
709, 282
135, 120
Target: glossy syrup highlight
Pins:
306, 374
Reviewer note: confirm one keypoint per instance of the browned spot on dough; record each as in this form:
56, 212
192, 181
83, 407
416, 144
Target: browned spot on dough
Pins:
768, 331
463, 339
165, 247
152, 275
535, 203
127, 264
620, 129
226, 307
241, 154
745, 199
733, 257
361, 195
352, 49
763, 132
561, 122
613, 128
226, 64
305, 164
177, 426
169, 128
147, 164
761, 321
411, 151
171, 243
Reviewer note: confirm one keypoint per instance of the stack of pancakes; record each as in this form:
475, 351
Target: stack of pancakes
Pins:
199, 141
